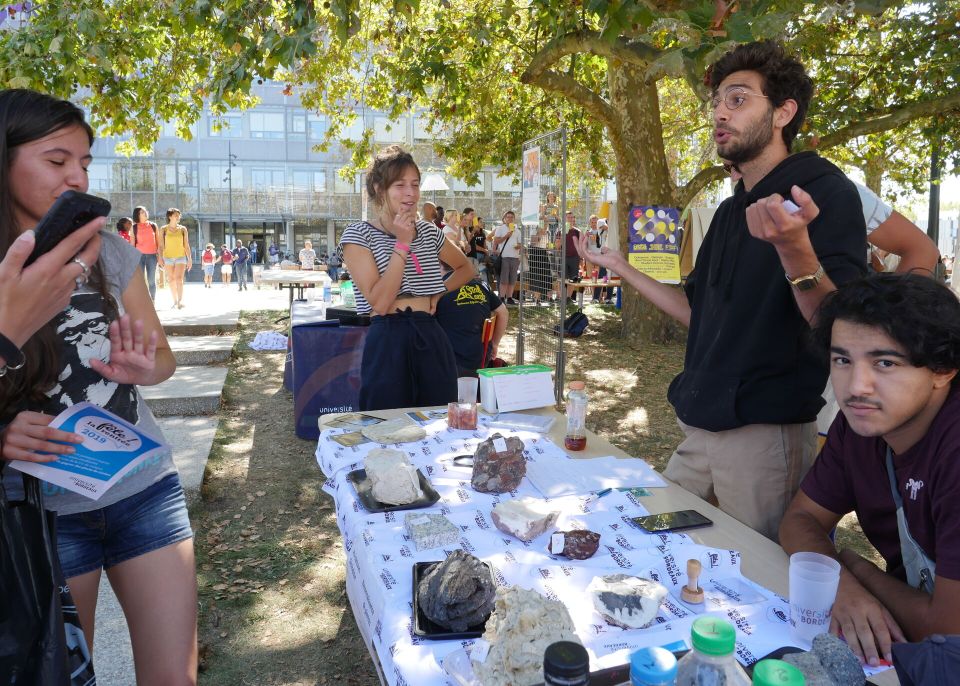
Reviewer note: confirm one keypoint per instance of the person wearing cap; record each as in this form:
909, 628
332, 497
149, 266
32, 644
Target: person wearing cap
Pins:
892, 456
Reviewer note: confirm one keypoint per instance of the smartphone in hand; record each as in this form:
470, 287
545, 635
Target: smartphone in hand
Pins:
69, 212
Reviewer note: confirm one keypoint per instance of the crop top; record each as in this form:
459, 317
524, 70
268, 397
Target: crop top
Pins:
426, 246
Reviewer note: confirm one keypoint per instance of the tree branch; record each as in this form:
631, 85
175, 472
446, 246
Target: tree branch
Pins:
630, 52
703, 178
576, 91
889, 120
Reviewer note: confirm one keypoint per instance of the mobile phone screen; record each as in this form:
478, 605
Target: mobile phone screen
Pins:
672, 521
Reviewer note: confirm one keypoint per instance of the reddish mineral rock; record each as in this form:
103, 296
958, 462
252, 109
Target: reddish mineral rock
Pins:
578, 544
498, 465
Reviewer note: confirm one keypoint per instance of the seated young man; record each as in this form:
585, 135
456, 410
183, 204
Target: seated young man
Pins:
893, 456
461, 314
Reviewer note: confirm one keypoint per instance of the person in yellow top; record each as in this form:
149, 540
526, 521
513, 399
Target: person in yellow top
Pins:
174, 250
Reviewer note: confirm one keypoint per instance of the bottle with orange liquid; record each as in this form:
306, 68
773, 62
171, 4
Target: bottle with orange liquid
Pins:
576, 438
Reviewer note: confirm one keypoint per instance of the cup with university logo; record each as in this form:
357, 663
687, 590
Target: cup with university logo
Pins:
813, 588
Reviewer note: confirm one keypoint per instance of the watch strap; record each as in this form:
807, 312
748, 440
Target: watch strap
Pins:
12, 355
807, 281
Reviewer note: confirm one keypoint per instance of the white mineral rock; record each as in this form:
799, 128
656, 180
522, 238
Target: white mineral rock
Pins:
430, 530
521, 627
525, 518
626, 601
394, 480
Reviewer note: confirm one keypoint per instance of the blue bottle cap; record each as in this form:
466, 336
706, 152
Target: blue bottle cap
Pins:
652, 666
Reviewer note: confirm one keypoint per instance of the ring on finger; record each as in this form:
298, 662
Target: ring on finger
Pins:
83, 266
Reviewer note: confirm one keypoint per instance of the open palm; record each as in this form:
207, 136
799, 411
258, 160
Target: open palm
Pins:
132, 360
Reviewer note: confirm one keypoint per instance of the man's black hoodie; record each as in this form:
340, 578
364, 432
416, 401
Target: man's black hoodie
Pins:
747, 359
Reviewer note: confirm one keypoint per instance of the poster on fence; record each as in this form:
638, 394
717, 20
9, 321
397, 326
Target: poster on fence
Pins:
530, 197
654, 234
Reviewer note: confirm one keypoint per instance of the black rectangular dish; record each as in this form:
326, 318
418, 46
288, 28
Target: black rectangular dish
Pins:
364, 488
422, 626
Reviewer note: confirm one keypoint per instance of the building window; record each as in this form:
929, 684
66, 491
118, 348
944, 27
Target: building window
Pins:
342, 185
230, 125
267, 178
386, 131
187, 174
318, 126
298, 123
266, 125
100, 175
217, 177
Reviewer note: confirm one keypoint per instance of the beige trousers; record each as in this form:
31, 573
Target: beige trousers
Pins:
751, 473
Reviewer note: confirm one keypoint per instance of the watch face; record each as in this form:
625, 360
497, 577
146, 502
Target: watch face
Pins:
807, 284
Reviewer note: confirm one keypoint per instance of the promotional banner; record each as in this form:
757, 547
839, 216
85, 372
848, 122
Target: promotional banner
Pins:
530, 197
655, 234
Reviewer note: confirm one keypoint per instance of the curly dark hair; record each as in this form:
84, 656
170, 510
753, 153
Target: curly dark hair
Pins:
784, 78
916, 311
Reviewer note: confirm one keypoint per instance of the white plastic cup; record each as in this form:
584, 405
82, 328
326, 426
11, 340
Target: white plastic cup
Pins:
467, 389
813, 589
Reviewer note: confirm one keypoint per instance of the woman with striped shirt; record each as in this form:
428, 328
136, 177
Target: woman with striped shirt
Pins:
395, 264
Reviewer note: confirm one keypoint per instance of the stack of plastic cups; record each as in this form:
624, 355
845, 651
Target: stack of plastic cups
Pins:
813, 588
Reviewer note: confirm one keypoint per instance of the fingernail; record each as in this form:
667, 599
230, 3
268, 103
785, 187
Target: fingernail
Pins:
874, 662
26, 235
69, 450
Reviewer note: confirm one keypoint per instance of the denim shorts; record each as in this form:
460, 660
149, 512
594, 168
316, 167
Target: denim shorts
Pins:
208, 269
153, 518
174, 260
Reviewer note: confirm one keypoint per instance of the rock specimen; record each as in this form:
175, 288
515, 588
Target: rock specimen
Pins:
394, 481
525, 518
830, 663
399, 430
626, 601
521, 627
498, 465
430, 530
457, 593
578, 544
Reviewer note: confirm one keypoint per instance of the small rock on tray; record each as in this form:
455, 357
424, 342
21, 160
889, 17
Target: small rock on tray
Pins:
457, 593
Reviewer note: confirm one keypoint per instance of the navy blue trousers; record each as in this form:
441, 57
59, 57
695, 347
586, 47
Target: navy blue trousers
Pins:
407, 362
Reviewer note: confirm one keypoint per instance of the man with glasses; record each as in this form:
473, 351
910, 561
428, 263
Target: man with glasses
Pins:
750, 390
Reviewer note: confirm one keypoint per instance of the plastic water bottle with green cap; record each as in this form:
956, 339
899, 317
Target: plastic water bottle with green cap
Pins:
653, 667
776, 673
711, 662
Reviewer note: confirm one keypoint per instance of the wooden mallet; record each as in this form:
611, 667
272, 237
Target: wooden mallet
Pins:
692, 593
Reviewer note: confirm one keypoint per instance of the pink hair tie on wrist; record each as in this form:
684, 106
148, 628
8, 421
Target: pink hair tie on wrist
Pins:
406, 248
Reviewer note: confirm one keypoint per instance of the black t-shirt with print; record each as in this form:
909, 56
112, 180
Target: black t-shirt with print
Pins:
461, 314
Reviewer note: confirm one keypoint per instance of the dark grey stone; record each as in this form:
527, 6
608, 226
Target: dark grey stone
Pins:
838, 660
809, 664
458, 593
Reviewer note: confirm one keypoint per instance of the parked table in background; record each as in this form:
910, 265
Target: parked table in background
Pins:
581, 286
294, 279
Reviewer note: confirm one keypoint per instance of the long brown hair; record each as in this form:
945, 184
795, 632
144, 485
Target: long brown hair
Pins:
27, 116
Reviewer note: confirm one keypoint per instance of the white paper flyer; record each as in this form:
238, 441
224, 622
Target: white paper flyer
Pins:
111, 447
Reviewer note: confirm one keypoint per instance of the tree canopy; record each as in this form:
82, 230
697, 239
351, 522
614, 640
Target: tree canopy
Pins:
626, 77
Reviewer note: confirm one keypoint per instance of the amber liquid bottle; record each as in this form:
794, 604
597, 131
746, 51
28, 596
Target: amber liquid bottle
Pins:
576, 438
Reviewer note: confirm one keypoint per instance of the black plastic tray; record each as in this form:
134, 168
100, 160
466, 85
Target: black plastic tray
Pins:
364, 488
422, 626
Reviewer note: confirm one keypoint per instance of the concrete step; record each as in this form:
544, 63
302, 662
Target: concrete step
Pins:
201, 325
192, 440
201, 350
190, 391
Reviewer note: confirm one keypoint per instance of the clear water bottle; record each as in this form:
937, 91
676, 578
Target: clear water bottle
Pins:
653, 667
326, 284
711, 661
566, 663
576, 438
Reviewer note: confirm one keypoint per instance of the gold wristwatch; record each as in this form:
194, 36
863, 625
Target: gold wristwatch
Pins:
807, 281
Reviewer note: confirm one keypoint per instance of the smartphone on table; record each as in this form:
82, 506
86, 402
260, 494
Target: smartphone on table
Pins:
671, 521
70, 211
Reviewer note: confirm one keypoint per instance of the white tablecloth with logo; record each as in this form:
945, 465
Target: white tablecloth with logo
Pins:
380, 560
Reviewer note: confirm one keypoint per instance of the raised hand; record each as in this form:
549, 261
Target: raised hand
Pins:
404, 225
769, 220
132, 360
32, 296
29, 433
611, 259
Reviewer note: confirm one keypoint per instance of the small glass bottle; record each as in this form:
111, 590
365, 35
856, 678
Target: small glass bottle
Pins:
566, 663
653, 667
576, 438
776, 673
711, 661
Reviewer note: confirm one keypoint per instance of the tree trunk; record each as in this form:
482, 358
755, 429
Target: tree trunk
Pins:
873, 174
643, 178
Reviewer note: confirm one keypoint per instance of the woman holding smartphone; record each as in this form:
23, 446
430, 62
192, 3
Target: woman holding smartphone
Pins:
105, 343
176, 259
395, 264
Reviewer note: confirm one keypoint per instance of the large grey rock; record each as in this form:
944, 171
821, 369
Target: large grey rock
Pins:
394, 481
458, 593
839, 661
813, 671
